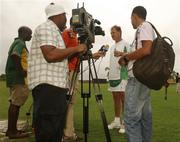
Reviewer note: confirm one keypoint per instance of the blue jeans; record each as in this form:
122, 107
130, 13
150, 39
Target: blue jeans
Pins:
137, 112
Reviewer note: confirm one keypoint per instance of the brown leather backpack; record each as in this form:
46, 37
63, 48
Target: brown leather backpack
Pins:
154, 70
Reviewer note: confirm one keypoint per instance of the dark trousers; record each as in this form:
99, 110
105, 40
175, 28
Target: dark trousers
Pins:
49, 112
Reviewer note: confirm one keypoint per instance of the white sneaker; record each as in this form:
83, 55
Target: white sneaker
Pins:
122, 129
114, 125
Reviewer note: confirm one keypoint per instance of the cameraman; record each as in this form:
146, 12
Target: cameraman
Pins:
71, 40
48, 75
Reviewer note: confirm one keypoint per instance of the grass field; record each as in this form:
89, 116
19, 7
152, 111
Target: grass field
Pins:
166, 116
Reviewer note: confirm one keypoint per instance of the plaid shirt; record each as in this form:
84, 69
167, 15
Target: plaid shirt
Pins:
39, 70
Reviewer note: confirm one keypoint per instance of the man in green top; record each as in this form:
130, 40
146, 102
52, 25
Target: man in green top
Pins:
16, 73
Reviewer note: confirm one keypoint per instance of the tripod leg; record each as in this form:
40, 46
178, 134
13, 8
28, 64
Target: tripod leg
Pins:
96, 76
101, 109
165, 97
85, 97
85, 117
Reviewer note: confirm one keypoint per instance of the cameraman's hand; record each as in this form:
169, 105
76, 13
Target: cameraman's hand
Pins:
82, 48
98, 54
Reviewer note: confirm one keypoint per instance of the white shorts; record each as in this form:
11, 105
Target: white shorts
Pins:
120, 88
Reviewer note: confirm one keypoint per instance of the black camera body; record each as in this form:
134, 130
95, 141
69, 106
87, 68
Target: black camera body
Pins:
84, 24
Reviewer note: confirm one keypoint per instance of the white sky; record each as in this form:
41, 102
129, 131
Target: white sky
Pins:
164, 14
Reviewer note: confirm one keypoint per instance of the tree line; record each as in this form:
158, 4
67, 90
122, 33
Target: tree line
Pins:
3, 77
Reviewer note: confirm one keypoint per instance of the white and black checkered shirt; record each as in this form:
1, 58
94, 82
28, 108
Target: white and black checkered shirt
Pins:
39, 70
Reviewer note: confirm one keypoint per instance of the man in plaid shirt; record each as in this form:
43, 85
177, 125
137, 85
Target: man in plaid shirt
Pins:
48, 75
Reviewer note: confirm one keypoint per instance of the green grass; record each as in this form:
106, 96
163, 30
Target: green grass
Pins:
166, 116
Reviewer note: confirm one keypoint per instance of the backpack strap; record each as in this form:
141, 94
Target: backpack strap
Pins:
136, 39
157, 33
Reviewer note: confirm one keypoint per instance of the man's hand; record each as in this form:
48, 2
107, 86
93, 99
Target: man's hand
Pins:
123, 60
98, 54
82, 48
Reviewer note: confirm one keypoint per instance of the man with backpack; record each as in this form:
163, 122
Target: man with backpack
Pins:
138, 116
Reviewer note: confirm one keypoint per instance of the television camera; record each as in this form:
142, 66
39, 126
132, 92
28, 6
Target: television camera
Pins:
85, 25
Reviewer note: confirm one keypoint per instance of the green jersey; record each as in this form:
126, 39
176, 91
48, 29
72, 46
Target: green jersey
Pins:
13, 75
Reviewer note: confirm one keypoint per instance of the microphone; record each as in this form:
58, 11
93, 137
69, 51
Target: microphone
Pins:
104, 48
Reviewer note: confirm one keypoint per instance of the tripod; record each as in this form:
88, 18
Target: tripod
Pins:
87, 95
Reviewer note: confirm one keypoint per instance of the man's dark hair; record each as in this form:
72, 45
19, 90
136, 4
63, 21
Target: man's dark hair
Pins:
140, 11
118, 28
23, 31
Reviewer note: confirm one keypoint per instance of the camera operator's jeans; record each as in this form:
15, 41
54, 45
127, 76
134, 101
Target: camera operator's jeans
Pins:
137, 111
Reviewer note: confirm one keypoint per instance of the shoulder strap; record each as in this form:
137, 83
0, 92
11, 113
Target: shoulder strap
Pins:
136, 40
157, 33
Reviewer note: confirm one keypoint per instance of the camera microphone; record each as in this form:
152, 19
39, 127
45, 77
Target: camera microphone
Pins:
104, 48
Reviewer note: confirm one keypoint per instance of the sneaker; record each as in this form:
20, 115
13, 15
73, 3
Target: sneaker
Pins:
114, 125
122, 129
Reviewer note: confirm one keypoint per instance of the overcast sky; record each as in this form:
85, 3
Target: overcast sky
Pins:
164, 14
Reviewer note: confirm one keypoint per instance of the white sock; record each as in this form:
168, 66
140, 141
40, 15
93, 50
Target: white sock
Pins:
117, 119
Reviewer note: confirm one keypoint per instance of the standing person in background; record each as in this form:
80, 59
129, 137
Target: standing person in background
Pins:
71, 40
16, 74
48, 75
177, 83
138, 113
117, 77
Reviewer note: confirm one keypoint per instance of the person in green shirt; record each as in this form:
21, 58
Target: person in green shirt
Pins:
16, 73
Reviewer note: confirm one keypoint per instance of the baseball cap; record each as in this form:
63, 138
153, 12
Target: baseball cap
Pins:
54, 9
